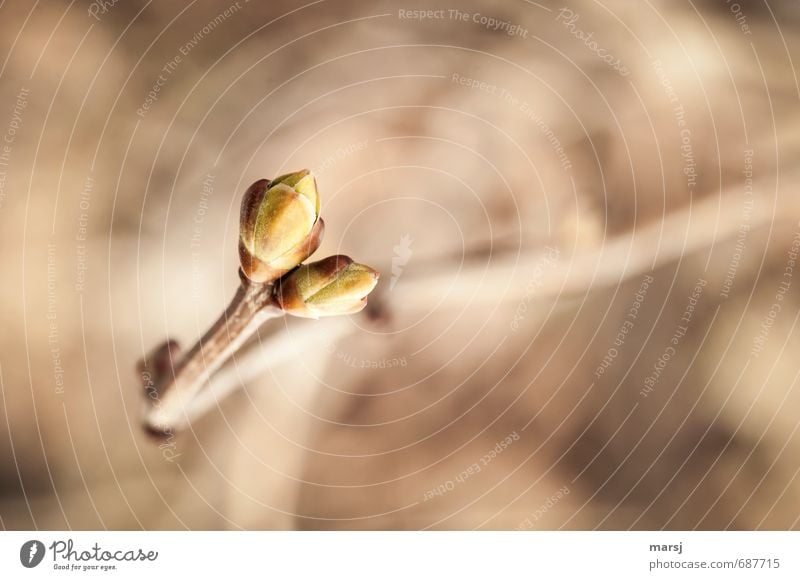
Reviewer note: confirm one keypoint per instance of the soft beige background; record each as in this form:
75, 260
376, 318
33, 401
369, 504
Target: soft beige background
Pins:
316, 443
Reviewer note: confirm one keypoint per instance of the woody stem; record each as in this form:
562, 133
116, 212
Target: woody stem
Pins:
252, 305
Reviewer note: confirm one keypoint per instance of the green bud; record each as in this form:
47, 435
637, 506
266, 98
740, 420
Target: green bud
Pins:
333, 286
280, 225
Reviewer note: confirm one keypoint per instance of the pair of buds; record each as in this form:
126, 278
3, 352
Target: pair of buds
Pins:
280, 228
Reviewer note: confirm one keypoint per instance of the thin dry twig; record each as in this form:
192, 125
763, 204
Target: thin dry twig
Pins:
173, 385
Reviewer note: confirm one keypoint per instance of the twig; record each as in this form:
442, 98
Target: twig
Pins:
258, 355
176, 386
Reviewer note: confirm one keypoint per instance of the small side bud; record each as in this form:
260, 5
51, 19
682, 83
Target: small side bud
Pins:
330, 287
280, 225
160, 365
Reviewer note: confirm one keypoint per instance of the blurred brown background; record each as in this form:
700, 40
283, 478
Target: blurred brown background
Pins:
586, 218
